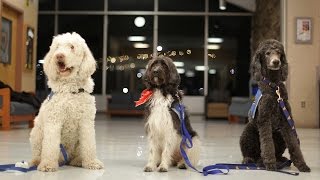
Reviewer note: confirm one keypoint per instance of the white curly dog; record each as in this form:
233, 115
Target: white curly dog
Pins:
67, 116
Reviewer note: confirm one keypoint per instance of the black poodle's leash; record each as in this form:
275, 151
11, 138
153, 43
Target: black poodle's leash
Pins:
283, 107
220, 168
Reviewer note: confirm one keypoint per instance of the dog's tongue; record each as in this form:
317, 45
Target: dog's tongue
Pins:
145, 96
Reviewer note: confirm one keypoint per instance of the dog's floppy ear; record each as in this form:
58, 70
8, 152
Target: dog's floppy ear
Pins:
50, 69
256, 66
88, 65
146, 75
174, 75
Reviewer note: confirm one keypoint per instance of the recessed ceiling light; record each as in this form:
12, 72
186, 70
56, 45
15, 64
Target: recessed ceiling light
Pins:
213, 46
136, 38
178, 64
139, 21
141, 45
215, 40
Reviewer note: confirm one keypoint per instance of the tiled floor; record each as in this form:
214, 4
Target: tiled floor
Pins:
121, 145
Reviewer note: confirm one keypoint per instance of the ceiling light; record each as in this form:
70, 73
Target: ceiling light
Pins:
139, 21
136, 38
159, 48
213, 46
140, 45
212, 71
222, 5
125, 90
190, 74
178, 64
199, 68
215, 40
180, 70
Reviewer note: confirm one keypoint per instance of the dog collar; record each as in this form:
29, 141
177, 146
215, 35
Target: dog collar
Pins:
271, 84
145, 96
81, 90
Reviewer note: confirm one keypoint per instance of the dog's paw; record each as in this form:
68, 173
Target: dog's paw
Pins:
270, 166
47, 167
148, 169
304, 168
182, 166
94, 164
163, 169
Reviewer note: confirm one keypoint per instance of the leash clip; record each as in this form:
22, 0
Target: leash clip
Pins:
278, 93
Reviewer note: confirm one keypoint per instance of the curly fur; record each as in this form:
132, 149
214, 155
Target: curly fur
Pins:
162, 124
266, 137
68, 116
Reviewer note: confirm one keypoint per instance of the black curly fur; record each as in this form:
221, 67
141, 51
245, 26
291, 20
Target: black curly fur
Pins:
168, 83
266, 137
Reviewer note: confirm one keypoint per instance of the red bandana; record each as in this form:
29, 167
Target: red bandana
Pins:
145, 96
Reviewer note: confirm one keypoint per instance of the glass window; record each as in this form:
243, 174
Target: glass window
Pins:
181, 37
129, 49
181, 5
77, 5
214, 6
131, 5
92, 32
46, 5
228, 57
44, 39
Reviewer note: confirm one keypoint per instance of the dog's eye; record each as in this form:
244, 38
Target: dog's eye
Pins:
72, 47
268, 53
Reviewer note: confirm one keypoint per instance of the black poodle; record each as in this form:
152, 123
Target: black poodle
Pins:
268, 134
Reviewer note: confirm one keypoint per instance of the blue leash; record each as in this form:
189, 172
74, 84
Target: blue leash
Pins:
220, 168
12, 167
187, 142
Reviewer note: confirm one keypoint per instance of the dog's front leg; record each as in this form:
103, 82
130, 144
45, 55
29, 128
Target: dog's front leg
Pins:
50, 146
88, 144
294, 148
168, 150
267, 145
154, 154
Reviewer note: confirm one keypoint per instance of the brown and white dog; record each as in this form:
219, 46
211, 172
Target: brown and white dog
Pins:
162, 123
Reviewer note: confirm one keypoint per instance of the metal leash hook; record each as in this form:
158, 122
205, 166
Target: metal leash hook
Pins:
278, 93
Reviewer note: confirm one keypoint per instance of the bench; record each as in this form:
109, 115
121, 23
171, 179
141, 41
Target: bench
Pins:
11, 111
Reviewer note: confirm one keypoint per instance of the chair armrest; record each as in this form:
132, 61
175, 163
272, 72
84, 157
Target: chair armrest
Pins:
5, 108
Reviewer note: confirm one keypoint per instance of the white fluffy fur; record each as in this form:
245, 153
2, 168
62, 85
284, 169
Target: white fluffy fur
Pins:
68, 116
164, 142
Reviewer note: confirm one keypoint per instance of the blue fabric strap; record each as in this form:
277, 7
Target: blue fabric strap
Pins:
252, 166
289, 119
254, 105
12, 167
187, 142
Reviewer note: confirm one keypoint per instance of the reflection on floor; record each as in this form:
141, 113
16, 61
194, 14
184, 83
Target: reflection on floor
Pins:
121, 145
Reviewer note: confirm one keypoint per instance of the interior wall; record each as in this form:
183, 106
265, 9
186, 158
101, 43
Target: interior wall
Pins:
30, 18
303, 82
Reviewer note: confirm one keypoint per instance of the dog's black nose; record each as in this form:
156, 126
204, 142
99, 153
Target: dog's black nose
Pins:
276, 62
60, 56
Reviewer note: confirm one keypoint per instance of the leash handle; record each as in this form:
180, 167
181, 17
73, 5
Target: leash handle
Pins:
12, 167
